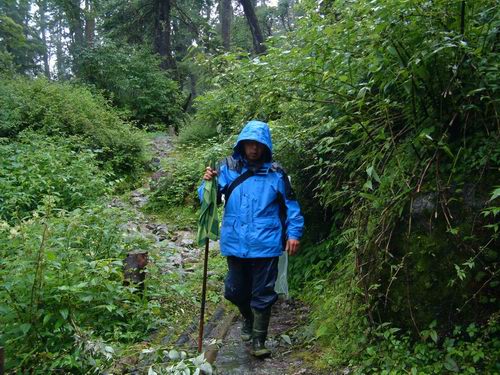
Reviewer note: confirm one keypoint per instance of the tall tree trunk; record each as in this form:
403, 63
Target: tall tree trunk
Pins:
226, 14
76, 29
61, 72
163, 44
89, 23
42, 6
75, 21
289, 14
253, 23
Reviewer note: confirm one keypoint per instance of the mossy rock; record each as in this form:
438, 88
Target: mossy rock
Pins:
437, 272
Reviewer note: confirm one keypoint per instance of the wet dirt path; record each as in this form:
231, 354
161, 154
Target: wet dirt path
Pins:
176, 246
180, 255
287, 318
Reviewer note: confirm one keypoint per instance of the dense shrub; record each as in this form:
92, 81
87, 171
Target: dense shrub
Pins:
386, 115
134, 82
61, 290
196, 133
183, 170
33, 168
63, 305
65, 109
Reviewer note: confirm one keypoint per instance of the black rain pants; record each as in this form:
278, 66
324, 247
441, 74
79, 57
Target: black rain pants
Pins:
250, 281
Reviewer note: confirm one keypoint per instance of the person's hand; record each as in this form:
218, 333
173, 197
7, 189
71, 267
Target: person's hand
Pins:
209, 174
292, 246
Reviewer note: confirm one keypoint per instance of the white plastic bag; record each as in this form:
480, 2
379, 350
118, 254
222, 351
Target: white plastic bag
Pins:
281, 286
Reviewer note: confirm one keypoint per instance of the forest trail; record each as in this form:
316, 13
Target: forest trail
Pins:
176, 246
284, 337
179, 254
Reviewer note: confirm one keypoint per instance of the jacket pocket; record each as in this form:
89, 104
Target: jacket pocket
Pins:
266, 233
228, 234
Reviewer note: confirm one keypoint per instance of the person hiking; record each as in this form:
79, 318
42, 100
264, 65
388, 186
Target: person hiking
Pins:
261, 219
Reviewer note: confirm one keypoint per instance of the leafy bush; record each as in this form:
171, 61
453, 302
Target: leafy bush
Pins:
63, 305
183, 170
386, 115
468, 350
340, 325
34, 168
133, 81
196, 133
61, 289
65, 109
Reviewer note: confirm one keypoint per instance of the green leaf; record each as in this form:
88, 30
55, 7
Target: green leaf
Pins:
46, 318
287, 339
495, 194
64, 313
25, 327
433, 335
451, 365
448, 151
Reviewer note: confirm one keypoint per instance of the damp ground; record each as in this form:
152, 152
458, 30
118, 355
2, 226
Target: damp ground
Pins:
284, 340
180, 255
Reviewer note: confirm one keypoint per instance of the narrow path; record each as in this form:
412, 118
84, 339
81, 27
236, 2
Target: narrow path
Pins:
180, 255
176, 246
284, 336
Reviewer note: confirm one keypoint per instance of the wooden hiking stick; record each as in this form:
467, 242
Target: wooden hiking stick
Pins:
1, 360
203, 297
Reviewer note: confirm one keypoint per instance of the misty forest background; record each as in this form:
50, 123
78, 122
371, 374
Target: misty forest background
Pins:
384, 113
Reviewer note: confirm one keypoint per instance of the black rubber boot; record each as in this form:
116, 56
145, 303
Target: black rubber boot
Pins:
246, 330
259, 332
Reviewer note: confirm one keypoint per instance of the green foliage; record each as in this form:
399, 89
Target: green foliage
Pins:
61, 292
35, 167
183, 171
67, 110
473, 350
492, 210
133, 81
62, 300
337, 318
20, 44
196, 133
11, 36
339, 323
385, 113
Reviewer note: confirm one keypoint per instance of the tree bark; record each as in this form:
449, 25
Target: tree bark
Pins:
134, 267
42, 6
258, 39
89, 23
61, 71
226, 13
163, 43
74, 13
74, 17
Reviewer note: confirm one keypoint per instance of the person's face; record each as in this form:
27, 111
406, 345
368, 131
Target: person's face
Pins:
253, 150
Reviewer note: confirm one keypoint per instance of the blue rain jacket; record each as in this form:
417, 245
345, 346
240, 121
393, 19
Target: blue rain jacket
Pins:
261, 212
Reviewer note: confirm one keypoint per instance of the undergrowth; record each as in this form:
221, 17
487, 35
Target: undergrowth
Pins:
65, 110
385, 114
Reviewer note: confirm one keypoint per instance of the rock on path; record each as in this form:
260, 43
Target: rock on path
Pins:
176, 247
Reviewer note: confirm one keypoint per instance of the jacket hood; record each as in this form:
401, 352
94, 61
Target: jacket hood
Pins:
254, 131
